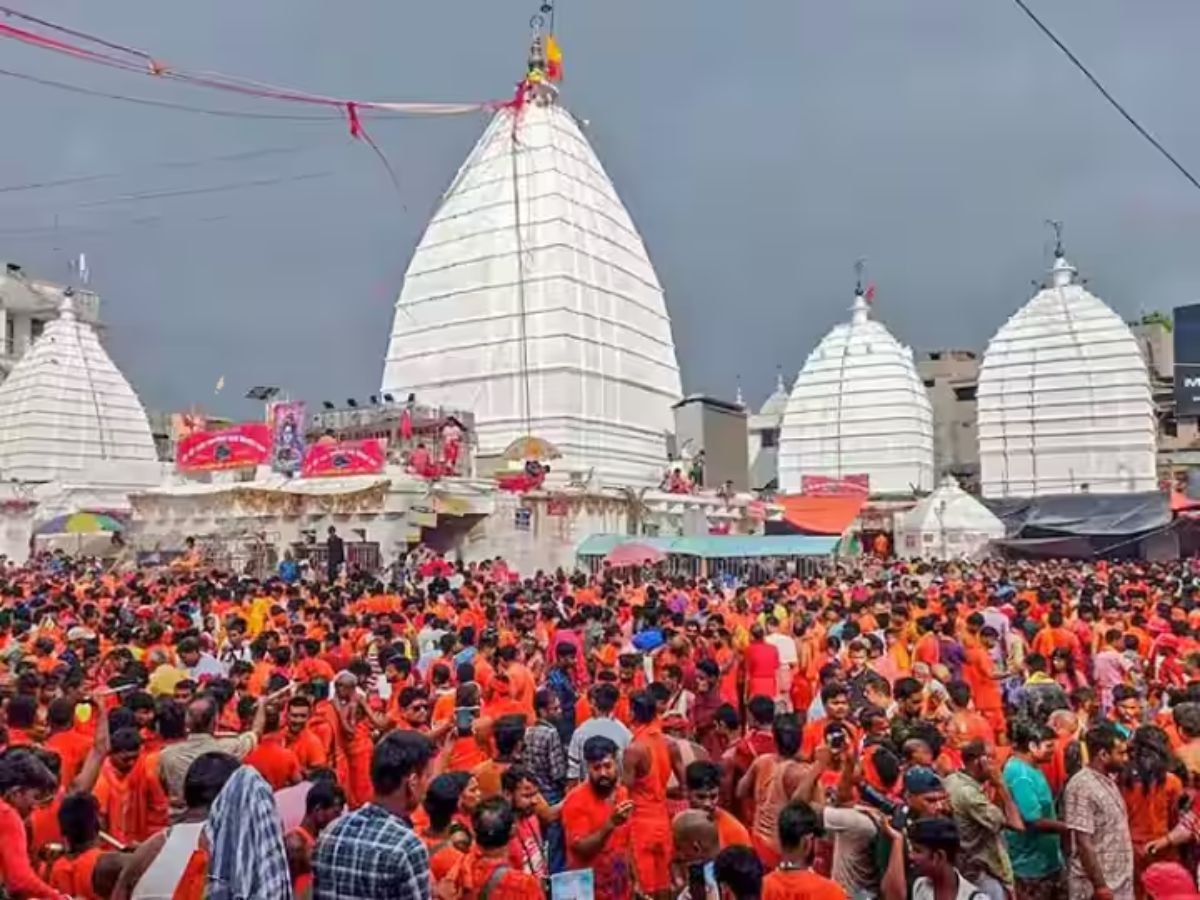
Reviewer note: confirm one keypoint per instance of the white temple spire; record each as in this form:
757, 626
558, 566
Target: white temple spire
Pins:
1064, 400
1062, 273
67, 413
532, 302
858, 407
66, 309
860, 310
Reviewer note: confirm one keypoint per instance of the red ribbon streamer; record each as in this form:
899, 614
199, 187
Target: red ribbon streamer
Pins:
356, 129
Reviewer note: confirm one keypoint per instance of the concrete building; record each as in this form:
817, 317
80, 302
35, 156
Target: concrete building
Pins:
951, 379
716, 428
763, 428
28, 305
1178, 435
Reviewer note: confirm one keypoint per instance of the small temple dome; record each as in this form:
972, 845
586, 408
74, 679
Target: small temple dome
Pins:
858, 407
775, 405
531, 301
68, 414
1064, 399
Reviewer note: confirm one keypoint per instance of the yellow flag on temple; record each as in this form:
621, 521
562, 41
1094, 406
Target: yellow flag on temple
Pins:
554, 64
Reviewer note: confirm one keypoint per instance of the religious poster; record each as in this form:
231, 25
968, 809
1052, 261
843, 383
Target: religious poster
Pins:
239, 446
575, 884
185, 423
344, 458
287, 429
829, 486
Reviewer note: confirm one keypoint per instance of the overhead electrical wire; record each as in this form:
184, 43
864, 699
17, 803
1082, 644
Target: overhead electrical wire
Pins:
118, 56
167, 104
212, 189
242, 156
1104, 92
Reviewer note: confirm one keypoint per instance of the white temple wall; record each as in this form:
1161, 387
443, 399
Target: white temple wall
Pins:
549, 542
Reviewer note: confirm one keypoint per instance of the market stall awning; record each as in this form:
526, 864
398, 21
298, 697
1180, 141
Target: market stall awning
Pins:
813, 514
727, 546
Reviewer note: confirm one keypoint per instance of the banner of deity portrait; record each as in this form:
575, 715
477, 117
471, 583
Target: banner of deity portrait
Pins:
287, 431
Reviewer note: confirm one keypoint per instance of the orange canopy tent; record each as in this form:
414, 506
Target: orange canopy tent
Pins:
821, 514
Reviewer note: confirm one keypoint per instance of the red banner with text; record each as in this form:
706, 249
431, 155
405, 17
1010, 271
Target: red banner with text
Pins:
238, 446
830, 486
329, 458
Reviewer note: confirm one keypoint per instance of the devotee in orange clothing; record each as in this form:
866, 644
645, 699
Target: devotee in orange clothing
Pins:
324, 802
274, 760
300, 739
762, 666
484, 872
501, 702
355, 743
521, 680
798, 827
71, 746
980, 673
73, 873
326, 727
443, 705
508, 735
1151, 795
444, 840
646, 770
470, 744
703, 780
595, 820
771, 781
112, 788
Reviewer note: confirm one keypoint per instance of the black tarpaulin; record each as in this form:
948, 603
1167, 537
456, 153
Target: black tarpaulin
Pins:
1083, 515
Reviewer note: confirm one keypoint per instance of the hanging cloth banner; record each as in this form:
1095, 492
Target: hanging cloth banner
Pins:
287, 425
831, 486
240, 446
324, 460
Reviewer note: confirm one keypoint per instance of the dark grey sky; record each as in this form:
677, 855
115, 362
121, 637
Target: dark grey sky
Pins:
760, 147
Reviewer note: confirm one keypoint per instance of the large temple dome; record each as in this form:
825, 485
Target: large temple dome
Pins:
531, 301
67, 414
1064, 399
859, 407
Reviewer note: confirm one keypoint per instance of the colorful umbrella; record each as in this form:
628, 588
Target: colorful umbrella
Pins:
530, 447
634, 554
81, 523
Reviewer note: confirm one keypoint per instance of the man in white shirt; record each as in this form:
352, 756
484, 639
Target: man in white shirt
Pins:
604, 699
788, 660
198, 664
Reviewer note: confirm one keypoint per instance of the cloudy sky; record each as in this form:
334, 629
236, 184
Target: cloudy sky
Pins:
761, 148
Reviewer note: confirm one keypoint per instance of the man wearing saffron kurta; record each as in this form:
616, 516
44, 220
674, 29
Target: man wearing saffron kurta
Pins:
647, 769
112, 789
595, 819
354, 739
